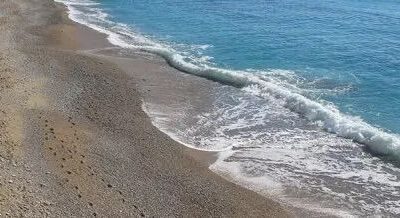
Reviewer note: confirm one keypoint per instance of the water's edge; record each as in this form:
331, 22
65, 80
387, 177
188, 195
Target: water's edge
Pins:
328, 118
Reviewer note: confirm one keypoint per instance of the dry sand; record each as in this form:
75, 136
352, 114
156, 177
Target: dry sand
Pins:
74, 141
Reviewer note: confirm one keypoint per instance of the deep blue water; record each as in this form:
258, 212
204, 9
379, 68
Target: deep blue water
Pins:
351, 45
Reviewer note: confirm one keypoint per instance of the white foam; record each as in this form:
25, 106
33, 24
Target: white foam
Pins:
78, 2
161, 121
311, 161
326, 115
280, 89
268, 186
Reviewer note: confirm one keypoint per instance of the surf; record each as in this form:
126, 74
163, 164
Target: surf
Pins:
271, 127
326, 115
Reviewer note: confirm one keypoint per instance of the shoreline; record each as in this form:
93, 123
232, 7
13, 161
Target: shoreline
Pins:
84, 147
177, 108
151, 72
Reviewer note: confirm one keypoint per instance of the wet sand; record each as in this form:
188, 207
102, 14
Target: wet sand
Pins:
74, 141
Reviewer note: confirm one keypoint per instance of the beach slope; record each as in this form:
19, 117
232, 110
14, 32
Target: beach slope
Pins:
74, 141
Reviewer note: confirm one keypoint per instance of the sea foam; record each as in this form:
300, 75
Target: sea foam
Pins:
258, 83
270, 158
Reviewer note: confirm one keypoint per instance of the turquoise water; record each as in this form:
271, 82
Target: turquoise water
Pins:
308, 99
350, 45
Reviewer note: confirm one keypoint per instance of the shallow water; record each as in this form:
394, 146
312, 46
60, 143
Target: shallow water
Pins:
346, 51
309, 109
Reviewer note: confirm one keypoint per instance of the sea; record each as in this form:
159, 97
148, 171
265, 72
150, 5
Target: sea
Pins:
307, 103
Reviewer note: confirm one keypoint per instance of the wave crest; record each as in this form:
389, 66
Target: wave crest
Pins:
262, 84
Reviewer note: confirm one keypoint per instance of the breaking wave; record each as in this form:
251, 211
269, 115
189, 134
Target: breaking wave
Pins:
266, 84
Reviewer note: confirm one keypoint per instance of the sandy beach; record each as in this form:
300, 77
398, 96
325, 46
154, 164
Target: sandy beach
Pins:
74, 140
